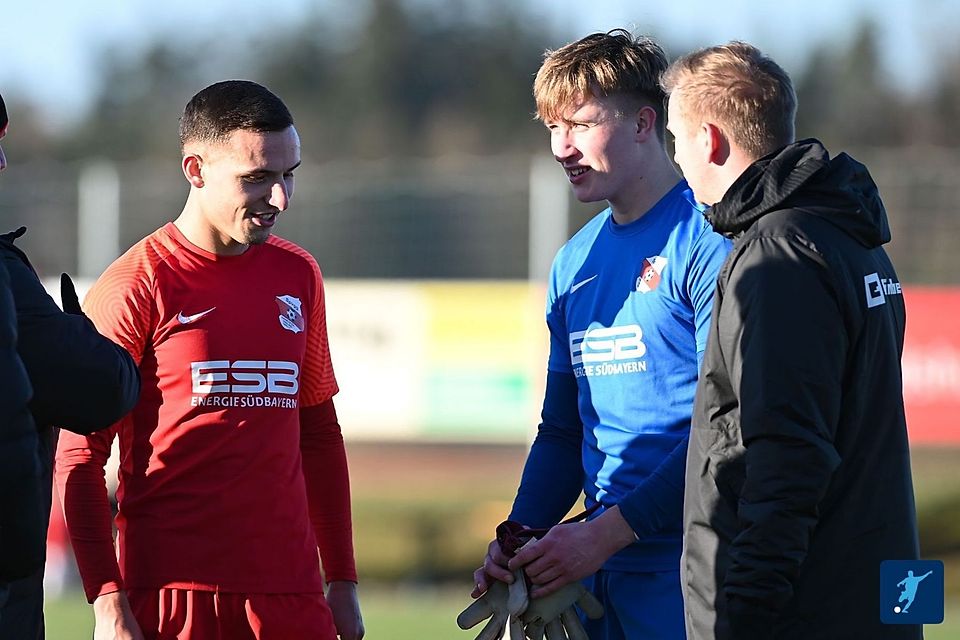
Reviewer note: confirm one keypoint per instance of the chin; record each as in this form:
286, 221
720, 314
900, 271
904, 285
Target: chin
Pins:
257, 237
587, 197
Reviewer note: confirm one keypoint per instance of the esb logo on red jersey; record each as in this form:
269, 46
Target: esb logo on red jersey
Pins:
244, 383
245, 376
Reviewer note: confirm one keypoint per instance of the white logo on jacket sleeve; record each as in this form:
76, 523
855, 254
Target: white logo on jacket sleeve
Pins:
877, 289
650, 271
291, 315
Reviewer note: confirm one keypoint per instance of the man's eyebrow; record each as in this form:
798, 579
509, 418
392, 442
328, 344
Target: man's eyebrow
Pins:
259, 171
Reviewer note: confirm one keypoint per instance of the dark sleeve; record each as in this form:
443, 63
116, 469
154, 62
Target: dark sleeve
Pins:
22, 522
81, 380
657, 502
553, 474
783, 333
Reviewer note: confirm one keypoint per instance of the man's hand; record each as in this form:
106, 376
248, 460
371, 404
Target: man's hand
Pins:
571, 552
494, 570
114, 618
345, 606
69, 300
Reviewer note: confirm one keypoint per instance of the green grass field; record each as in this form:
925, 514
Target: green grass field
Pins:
408, 614
388, 614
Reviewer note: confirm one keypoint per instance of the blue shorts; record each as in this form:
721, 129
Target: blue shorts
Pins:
637, 605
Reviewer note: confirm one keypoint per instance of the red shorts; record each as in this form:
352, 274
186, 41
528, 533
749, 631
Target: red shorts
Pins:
183, 614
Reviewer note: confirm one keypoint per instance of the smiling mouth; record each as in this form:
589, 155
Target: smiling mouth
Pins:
577, 171
264, 219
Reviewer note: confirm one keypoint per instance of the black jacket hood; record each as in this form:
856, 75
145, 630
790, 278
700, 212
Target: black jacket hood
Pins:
803, 176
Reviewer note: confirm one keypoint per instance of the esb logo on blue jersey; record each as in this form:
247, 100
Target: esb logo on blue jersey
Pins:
911, 592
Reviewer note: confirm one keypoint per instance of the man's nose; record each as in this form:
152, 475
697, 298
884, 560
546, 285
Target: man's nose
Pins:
279, 195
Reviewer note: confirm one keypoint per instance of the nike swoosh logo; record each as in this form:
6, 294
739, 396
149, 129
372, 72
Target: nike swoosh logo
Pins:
581, 283
188, 319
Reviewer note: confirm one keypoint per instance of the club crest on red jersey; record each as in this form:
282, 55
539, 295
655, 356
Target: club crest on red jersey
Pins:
650, 270
291, 315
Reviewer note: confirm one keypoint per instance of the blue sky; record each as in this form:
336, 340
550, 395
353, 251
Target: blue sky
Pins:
49, 48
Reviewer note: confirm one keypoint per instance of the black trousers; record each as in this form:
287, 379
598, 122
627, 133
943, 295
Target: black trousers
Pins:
21, 601
21, 615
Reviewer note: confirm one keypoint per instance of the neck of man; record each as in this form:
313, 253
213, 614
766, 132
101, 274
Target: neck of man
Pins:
736, 163
655, 181
193, 224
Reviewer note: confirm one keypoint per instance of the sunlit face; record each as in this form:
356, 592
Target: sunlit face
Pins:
597, 147
246, 182
687, 147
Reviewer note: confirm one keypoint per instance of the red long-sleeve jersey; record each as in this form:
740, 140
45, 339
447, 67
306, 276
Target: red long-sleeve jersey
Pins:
235, 411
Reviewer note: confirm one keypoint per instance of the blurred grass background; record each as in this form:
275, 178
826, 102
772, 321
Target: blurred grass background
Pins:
423, 515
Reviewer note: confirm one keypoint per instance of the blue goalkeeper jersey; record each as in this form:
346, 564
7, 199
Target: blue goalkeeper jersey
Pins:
628, 309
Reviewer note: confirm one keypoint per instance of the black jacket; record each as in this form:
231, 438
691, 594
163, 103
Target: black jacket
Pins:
22, 520
81, 380
798, 473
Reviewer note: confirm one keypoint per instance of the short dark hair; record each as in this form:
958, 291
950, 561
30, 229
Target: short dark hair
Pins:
3, 115
222, 108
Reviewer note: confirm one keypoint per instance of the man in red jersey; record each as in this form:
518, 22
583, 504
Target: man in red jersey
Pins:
233, 472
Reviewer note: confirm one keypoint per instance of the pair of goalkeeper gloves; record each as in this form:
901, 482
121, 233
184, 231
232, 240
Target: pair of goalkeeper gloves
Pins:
554, 615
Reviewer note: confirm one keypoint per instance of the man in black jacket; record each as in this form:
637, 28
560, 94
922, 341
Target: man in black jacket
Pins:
81, 381
22, 519
798, 473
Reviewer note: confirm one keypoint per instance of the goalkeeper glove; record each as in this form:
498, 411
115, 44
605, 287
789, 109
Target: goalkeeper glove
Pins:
555, 614
501, 603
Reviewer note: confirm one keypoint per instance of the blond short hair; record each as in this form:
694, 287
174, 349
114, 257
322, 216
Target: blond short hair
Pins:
746, 93
612, 64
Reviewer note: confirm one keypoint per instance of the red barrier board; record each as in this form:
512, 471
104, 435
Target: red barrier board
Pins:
931, 364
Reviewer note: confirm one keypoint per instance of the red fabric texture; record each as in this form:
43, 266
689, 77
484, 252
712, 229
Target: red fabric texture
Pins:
181, 614
328, 489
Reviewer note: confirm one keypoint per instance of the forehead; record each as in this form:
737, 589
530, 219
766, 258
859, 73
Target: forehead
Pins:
585, 106
675, 111
270, 150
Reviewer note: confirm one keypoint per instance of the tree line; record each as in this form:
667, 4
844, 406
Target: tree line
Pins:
417, 80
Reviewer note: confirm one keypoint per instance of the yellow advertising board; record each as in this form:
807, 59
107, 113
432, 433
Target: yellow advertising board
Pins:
440, 360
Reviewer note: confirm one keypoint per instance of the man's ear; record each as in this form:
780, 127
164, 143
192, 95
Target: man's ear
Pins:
646, 123
716, 145
192, 166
